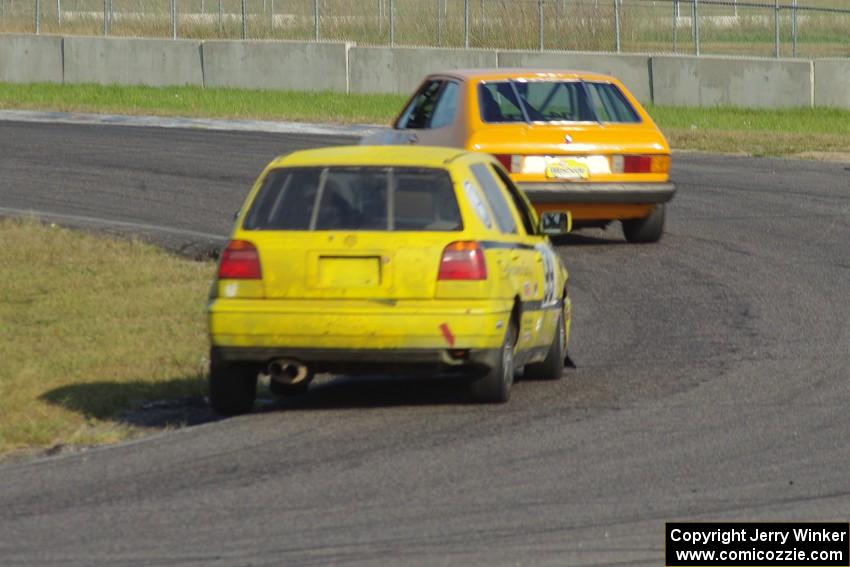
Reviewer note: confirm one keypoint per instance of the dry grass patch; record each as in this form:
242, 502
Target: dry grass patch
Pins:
90, 327
778, 144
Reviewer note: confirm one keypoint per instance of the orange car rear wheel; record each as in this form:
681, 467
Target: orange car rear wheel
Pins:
647, 229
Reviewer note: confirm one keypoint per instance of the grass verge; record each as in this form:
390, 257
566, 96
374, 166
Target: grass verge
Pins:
728, 130
90, 327
200, 102
784, 132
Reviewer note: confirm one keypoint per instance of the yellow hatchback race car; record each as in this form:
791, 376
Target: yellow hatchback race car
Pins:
572, 141
373, 259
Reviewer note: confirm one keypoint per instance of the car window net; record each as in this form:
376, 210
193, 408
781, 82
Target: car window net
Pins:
421, 109
355, 198
554, 101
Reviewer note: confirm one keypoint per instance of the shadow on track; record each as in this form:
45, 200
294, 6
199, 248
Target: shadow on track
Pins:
343, 392
182, 402
172, 403
588, 237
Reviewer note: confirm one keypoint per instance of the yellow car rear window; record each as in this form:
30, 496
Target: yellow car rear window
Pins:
355, 198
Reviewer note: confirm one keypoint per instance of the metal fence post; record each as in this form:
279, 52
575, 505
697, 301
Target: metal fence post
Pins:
59, 12
466, 23
220, 18
244, 19
540, 25
106, 18
617, 25
173, 19
776, 28
316, 17
481, 23
439, 22
37, 16
675, 26
695, 17
794, 28
392, 23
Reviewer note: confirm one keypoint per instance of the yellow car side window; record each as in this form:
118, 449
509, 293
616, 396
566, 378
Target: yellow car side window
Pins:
496, 198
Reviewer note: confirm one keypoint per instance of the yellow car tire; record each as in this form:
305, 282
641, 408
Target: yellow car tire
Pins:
495, 386
233, 385
552, 367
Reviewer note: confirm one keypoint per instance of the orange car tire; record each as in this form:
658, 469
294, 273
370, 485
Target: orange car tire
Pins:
647, 229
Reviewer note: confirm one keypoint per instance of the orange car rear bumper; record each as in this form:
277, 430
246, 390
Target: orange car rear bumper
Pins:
598, 201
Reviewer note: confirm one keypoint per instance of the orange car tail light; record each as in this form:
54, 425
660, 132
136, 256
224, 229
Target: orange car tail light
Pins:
463, 260
640, 164
240, 261
511, 162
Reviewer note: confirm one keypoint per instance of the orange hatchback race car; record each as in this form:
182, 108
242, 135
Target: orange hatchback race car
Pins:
572, 141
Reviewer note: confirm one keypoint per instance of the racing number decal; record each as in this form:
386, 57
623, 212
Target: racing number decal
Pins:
550, 295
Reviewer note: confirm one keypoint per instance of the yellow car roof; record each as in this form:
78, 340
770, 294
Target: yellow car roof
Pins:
422, 156
501, 74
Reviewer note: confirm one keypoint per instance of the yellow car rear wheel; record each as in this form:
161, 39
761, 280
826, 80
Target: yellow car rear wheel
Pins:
495, 386
233, 385
552, 366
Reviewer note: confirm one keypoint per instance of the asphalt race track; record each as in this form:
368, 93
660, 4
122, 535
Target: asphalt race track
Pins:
712, 384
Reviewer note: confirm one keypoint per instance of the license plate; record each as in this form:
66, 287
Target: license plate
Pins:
567, 169
349, 271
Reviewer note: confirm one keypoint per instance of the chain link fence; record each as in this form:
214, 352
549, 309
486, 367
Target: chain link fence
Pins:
778, 28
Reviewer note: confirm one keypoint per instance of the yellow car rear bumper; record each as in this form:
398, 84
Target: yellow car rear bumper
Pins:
358, 324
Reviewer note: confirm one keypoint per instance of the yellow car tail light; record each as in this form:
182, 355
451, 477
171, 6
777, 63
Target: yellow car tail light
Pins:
240, 261
463, 260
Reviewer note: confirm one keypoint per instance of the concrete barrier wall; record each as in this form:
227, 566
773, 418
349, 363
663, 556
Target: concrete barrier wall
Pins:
30, 59
281, 65
832, 82
632, 70
152, 62
309, 66
401, 69
726, 81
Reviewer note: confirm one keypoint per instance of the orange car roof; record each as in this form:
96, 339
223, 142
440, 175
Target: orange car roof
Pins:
517, 73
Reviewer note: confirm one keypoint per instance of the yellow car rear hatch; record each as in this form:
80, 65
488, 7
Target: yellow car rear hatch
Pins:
388, 230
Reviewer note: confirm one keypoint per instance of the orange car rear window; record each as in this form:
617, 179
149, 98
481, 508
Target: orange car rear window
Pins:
554, 101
